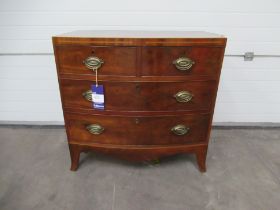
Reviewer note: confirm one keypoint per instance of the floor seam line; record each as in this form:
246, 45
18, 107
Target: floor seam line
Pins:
114, 193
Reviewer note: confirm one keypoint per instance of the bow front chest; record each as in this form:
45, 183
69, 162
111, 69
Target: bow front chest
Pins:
159, 92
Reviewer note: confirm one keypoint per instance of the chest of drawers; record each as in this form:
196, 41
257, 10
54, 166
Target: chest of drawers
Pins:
159, 89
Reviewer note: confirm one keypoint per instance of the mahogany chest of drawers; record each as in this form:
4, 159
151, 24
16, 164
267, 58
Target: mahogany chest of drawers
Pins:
159, 91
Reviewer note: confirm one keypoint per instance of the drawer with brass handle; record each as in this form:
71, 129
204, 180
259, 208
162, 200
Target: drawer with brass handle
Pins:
182, 96
142, 96
120, 61
151, 130
93, 63
180, 130
95, 129
181, 61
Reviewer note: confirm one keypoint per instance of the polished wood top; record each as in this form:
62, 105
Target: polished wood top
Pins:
140, 38
139, 34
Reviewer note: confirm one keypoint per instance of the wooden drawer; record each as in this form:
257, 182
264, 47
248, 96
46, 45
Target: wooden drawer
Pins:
143, 96
159, 61
119, 61
149, 130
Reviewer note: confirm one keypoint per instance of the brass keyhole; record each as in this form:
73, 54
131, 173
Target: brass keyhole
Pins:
138, 88
137, 121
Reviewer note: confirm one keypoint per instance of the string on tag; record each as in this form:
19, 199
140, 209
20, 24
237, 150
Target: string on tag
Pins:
96, 80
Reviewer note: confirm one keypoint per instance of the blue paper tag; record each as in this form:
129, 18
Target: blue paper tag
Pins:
98, 96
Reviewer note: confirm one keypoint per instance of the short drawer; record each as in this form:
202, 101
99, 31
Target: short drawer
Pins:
152, 130
181, 61
142, 96
120, 61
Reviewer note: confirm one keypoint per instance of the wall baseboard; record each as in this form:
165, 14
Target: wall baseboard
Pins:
35, 123
226, 125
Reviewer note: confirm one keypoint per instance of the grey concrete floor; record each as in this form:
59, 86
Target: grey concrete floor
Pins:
243, 174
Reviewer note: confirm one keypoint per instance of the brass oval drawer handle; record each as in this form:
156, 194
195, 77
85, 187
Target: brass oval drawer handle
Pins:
183, 63
183, 96
93, 63
180, 130
88, 95
95, 129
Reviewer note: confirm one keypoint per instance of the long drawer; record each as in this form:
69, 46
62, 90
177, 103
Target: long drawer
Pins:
181, 61
119, 61
137, 130
142, 96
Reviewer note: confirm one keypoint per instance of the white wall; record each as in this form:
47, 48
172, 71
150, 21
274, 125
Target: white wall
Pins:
249, 91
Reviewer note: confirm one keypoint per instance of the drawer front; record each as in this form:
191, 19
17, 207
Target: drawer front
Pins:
142, 96
138, 130
181, 61
120, 61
